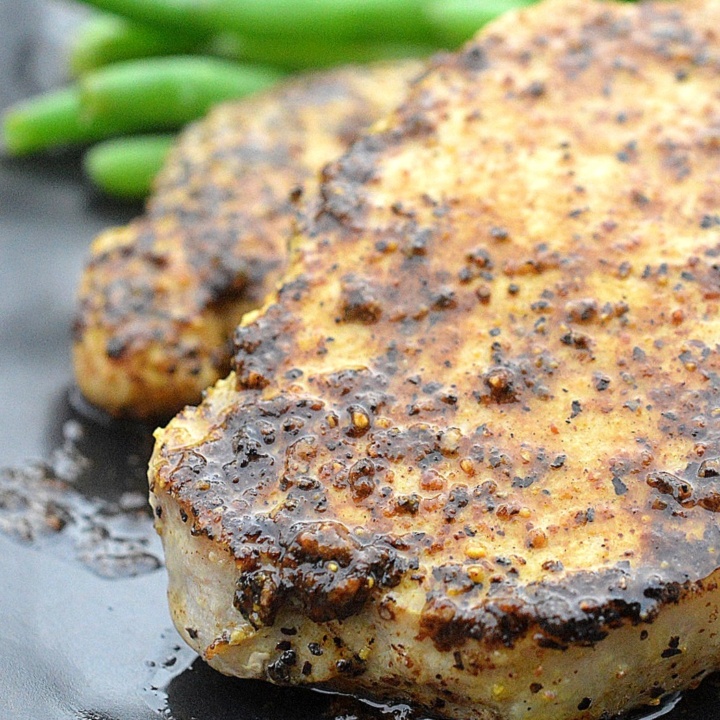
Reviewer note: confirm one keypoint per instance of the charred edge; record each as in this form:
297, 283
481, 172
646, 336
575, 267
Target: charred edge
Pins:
273, 443
260, 348
554, 612
330, 572
703, 491
220, 273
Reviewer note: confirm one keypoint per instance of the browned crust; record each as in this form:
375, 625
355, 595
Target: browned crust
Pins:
159, 299
495, 364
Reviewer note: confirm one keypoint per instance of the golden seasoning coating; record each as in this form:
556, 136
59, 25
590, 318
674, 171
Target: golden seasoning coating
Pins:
159, 298
470, 452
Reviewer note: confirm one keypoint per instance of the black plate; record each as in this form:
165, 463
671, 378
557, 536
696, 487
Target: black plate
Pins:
84, 628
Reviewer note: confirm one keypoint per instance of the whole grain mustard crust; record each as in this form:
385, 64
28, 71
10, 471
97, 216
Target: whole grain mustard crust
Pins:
492, 372
160, 298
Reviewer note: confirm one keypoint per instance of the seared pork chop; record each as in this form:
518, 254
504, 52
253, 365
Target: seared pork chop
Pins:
160, 298
469, 455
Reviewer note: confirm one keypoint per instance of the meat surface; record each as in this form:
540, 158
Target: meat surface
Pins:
160, 298
469, 455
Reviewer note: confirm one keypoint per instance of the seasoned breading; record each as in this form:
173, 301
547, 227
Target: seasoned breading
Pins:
159, 298
469, 455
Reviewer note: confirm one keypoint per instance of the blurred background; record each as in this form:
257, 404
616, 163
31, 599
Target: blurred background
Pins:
48, 216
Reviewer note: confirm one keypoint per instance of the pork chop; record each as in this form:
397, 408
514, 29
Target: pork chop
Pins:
469, 454
160, 298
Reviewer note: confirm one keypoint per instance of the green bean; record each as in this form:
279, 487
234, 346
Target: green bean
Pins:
166, 93
135, 96
53, 119
126, 167
391, 20
456, 21
303, 55
105, 39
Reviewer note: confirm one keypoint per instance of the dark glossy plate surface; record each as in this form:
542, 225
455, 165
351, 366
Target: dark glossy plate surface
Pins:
84, 628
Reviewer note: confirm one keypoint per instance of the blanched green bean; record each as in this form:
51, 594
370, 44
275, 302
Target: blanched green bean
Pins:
105, 39
162, 93
390, 20
50, 120
308, 54
126, 167
130, 97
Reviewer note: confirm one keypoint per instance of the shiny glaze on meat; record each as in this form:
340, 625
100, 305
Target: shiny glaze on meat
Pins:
481, 414
159, 298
